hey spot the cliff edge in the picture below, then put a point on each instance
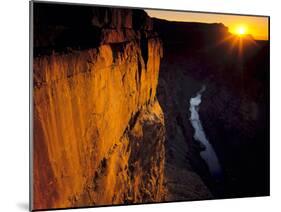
(98, 128)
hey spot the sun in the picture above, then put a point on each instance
(241, 30)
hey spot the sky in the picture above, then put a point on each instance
(256, 26)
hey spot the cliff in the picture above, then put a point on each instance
(98, 127)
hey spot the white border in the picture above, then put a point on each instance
(14, 107)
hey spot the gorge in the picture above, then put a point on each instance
(111, 91)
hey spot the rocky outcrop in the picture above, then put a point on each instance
(98, 127)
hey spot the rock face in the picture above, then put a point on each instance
(98, 127)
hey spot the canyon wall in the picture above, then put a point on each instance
(98, 127)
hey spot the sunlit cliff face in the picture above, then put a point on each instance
(98, 127)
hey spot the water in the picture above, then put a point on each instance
(208, 154)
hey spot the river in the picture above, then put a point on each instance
(208, 154)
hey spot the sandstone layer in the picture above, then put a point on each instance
(98, 128)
